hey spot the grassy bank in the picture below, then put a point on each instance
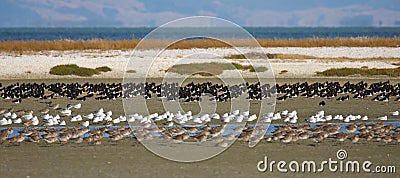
(73, 69)
(392, 72)
(61, 45)
(300, 56)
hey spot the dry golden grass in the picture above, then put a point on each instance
(61, 45)
(308, 42)
(333, 42)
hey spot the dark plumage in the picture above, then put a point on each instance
(192, 92)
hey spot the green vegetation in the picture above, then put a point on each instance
(249, 67)
(103, 69)
(131, 71)
(73, 69)
(205, 74)
(258, 69)
(391, 72)
(283, 71)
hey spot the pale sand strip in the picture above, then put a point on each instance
(38, 65)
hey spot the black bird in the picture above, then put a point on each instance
(322, 103)
(379, 91)
(17, 101)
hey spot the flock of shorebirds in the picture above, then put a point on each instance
(192, 92)
(362, 132)
(65, 126)
(355, 133)
(66, 117)
(170, 127)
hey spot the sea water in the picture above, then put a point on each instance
(7, 34)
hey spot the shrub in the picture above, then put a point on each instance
(283, 71)
(73, 69)
(237, 65)
(86, 72)
(131, 71)
(206, 74)
(103, 69)
(258, 69)
(67, 69)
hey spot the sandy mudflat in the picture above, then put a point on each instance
(130, 159)
(37, 65)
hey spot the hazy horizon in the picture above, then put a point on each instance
(257, 13)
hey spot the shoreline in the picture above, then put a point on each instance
(37, 66)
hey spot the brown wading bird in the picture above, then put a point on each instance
(387, 139)
(178, 139)
(5, 133)
(50, 139)
(88, 139)
(35, 138)
(341, 137)
(351, 128)
(55, 107)
(116, 137)
(287, 139)
(318, 138)
(64, 137)
(97, 142)
(355, 139)
(222, 144)
(78, 140)
(245, 136)
(200, 138)
(304, 136)
(3, 110)
(192, 130)
(17, 139)
(44, 111)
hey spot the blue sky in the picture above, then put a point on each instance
(139, 13)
